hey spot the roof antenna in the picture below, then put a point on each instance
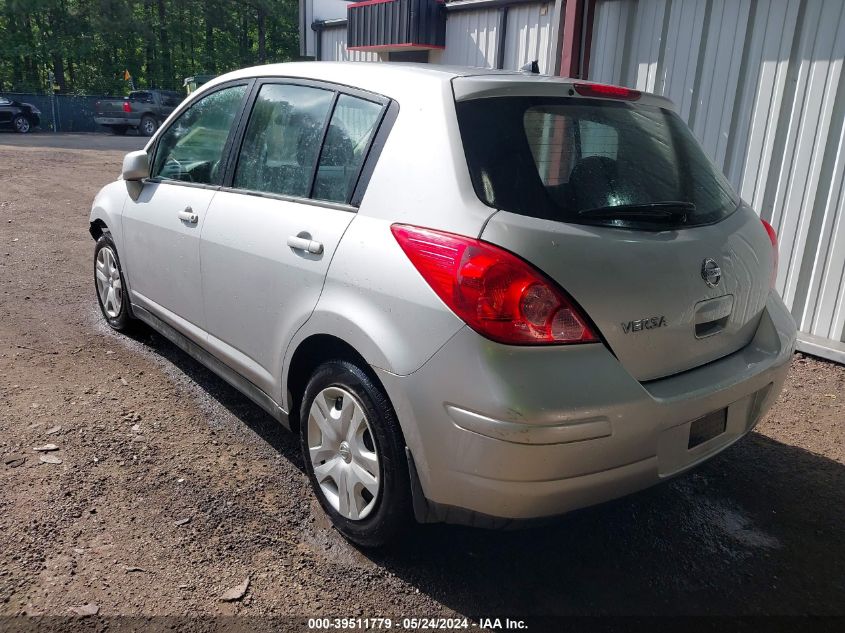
(531, 67)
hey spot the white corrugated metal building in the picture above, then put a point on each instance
(759, 82)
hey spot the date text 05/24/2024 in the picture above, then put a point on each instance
(416, 624)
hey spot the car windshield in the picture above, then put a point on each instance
(591, 162)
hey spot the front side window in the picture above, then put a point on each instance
(282, 139)
(352, 126)
(191, 149)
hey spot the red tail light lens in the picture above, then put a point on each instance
(497, 294)
(607, 91)
(127, 107)
(774, 239)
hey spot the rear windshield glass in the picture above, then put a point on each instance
(141, 95)
(591, 162)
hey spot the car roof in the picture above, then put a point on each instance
(401, 80)
(362, 70)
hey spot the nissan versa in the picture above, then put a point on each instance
(480, 297)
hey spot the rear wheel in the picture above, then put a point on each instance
(148, 126)
(22, 124)
(354, 454)
(110, 284)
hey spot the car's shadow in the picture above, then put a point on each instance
(757, 530)
(241, 407)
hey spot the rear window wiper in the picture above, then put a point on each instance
(668, 210)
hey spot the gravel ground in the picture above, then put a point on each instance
(172, 488)
(86, 141)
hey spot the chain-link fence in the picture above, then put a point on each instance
(64, 113)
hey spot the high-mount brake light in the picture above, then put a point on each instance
(607, 91)
(774, 239)
(496, 293)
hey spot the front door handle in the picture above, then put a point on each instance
(304, 244)
(189, 216)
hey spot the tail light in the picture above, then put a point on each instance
(774, 239)
(497, 294)
(127, 107)
(607, 91)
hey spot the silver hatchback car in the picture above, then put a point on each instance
(480, 297)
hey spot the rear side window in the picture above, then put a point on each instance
(282, 139)
(592, 162)
(352, 126)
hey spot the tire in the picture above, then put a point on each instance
(118, 130)
(382, 516)
(110, 285)
(148, 126)
(21, 124)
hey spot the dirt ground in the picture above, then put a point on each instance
(173, 488)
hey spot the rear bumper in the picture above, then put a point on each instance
(106, 120)
(500, 433)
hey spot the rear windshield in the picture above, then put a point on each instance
(141, 95)
(591, 162)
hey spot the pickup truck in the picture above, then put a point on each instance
(142, 110)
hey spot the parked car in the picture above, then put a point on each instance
(195, 81)
(142, 110)
(480, 297)
(20, 117)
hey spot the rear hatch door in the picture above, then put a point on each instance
(615, 200)
(645, 291)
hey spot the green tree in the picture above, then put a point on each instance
(86, 45)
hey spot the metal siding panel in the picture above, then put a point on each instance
(717, 90)
(826, 299)
(334, 47)
(684, 37)
(471, 38)
(528, 36)
(772, 35)
(643, 58)
(609, 29)
(806, 262)
(808, 125)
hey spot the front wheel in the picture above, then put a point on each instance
(110, 284)
(22, 124)
(354, 454)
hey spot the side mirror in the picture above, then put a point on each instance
(136, 166)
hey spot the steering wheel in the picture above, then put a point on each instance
(182, 171)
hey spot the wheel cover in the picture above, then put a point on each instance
(343, 453)
(149, 126)
(109, 286)
(22, 124)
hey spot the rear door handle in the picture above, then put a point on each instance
(189, 216)
(303, 244)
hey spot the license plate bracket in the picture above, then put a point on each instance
(707, 427)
